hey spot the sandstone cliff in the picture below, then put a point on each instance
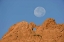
(48, 31)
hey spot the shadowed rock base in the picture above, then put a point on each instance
(49, 31)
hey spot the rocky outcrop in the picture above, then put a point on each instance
(49, 31)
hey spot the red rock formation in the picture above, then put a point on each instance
(49, 31)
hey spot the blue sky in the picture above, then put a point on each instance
(13, 11)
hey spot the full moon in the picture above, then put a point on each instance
(39, 11)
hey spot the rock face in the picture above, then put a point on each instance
(49, 31)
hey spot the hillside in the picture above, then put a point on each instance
(48, 31)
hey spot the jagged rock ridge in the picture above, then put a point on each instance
(49, 31)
